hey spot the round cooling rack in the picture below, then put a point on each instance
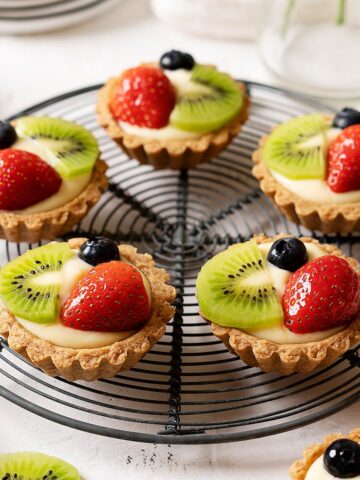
(189, 388)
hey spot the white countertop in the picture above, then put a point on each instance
(34, 68)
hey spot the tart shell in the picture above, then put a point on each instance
(290, 358)
(327, 218)
(173, 154)
(31, 228)
(93, 363)
(300, 468)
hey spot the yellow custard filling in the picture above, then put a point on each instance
(62, 336)
(316, 190)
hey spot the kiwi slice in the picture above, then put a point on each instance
(297, 149)
(35, 466)
(68, 147)
(207, 109)
(30, 284)
(235, 289)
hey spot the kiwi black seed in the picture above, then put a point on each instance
(296, 149)
(235, 289)
(70, 148)
(29, 285)
(35, 466)
(213, 101)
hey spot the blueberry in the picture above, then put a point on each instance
(174, 59)
(98, 250)
(288, 254)
(8, 135)
(346, 117)
(342, 459)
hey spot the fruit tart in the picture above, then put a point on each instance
(50, 176)
(282, 304)
(84, 309)
(337, 457)
(172, 114)
(310, 168)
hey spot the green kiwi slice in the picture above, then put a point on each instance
(235, 289)
(68, 147)
(297, 149)
(35, 466)
(209, 108)
(30, 284)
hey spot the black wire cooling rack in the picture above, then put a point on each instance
(189, 388)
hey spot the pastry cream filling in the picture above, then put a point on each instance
(181, 80)
(317, 190)
(69, 189)
(57, 333)
(62, 336)
(317, 471)
(279, 333)
(165, 133)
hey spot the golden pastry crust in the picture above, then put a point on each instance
(174, 154)
(300, 468)
(92, 363)
(54, 223)
(290, 358)
(327, 218)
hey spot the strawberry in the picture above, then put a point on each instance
(322, 294)
(25, 179)
(143, 97)
(111, 297)
(344, 161)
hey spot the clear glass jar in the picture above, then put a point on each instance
(313, 44)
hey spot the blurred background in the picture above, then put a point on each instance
(49, 47)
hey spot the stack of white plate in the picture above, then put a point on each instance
(35, 16)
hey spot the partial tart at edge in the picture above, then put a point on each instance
(300, 468)
(290, 358)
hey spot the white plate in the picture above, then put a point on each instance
(64, 8)
(56, 22)
(30, 3)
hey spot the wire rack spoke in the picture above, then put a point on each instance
(143, 210)
(188, 388)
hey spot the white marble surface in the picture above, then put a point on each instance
(34, 68)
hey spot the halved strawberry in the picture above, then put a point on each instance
(111, 297)
(322, 294)
(144, 97)
(25, 179)
(344, 161)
